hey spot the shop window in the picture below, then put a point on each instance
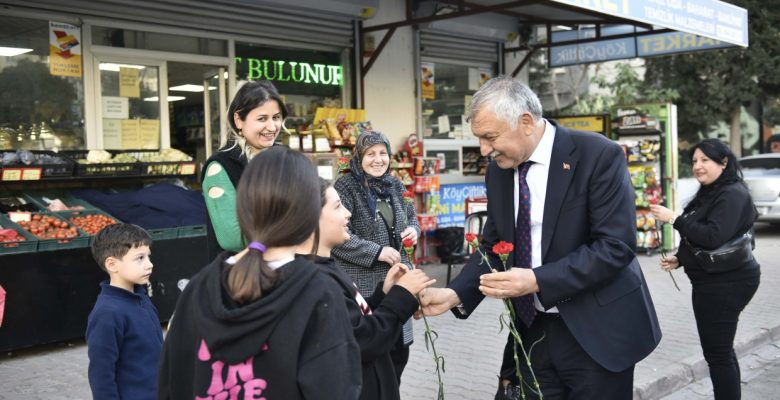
(446, 93)
(130, 106)
(40, 107)
(306, 79)
(131, 39)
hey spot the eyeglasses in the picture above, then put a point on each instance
(659, 239)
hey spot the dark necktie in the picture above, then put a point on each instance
(524, 305)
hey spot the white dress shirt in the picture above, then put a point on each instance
(537, 185)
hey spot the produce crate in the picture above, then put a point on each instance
(163, 233)
(45, 160)
(6, 199)
(28, 245)
(192, 231)
(75, 218)
(81, 240)
(102, 169)
(148, 167)
(68, 199)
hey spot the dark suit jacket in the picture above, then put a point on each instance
(589, 269)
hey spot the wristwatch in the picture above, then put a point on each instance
(671, 220)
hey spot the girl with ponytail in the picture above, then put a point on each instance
(263, 323)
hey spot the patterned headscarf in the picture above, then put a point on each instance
(372, 187)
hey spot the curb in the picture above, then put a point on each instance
(694, 368)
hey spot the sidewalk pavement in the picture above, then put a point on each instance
(472, 348)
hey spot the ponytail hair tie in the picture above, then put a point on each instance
(257, 246)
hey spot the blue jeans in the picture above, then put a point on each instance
(716, 306)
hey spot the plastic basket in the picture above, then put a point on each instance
(163, 233)
(162, 167)
(102, 169)
(74, 218)
(81, 240)
(68, 199)
(29, 245)
(8, 198)
(65, 168)
(192, 231)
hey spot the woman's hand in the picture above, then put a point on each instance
(661, 212)
(415, 281)
(409, 232)
(395, 273)
(389, 255)
(669, 263)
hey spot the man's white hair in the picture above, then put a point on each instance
(508, 99)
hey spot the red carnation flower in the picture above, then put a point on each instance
(471, 239)
(408, 243)
(503, 249)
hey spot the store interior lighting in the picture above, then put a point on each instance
(13, 51)
(190, 88)
(115, 67)
(170, 98)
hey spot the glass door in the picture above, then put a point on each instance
(215, 108)
(130, 105)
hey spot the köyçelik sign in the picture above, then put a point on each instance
(615, 49)
(292, 71)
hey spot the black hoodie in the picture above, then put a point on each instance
(376, 323)
(282, 346)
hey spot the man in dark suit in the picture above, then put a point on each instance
(564, 199)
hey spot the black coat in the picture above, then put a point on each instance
(727, 213)
(376, 322)
(589, 269)
(295, 342)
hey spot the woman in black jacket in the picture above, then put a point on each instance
(721, 211)
(376, 321)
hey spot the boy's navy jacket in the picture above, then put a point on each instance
(124, 340)
(376, 323)
(295, 342)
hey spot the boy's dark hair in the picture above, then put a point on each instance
(116, 240)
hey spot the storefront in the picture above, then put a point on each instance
(134, 80)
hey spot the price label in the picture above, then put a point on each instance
(18, 216)
(187, 169)
(12, 174)
(32, 174)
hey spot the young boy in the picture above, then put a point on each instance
(124, 338)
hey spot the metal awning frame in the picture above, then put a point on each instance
(466, 8)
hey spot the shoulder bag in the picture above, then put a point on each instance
(729, 256)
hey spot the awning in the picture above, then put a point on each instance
(652, 27)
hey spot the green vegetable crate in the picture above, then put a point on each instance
(28, 245)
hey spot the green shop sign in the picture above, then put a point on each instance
(291, 71)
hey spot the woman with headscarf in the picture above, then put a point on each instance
(381, 220)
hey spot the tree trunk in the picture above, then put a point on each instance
(735, 137)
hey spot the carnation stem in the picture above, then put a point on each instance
(510, 309)
(430, 337)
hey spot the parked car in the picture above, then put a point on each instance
(762, 175)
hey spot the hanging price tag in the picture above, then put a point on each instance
(32, 174)
(12, 174)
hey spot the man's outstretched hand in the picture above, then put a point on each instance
(436, 301)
